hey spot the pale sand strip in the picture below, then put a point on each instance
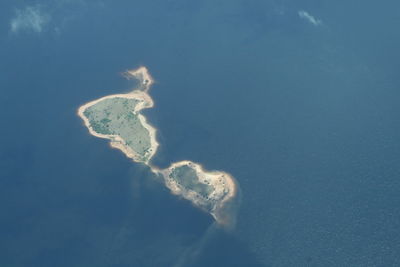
(146, 101)
(143, 75)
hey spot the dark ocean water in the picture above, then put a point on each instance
(306, 118)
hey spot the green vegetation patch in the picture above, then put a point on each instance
(187, 177)
(115, 116)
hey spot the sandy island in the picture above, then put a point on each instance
(224, 186)
(225, 189)
(145, 102)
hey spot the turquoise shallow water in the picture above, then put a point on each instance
(304, 116)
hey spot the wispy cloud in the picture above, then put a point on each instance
(30, 18)
(305, 15)
(50, 17)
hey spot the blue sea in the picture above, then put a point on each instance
(299, 100)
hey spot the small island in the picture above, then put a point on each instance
(210, 191)
(118, 119)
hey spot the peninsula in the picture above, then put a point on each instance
(118, 119)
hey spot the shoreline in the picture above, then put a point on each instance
(224, 184)
(142, 74)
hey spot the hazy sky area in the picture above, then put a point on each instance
(297, 99)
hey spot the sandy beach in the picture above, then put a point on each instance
(143, 75)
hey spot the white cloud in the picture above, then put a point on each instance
(51, 17)
(305, 15)
(31, 18)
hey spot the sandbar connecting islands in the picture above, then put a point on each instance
(118, 119)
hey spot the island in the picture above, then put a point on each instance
(117, 118)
